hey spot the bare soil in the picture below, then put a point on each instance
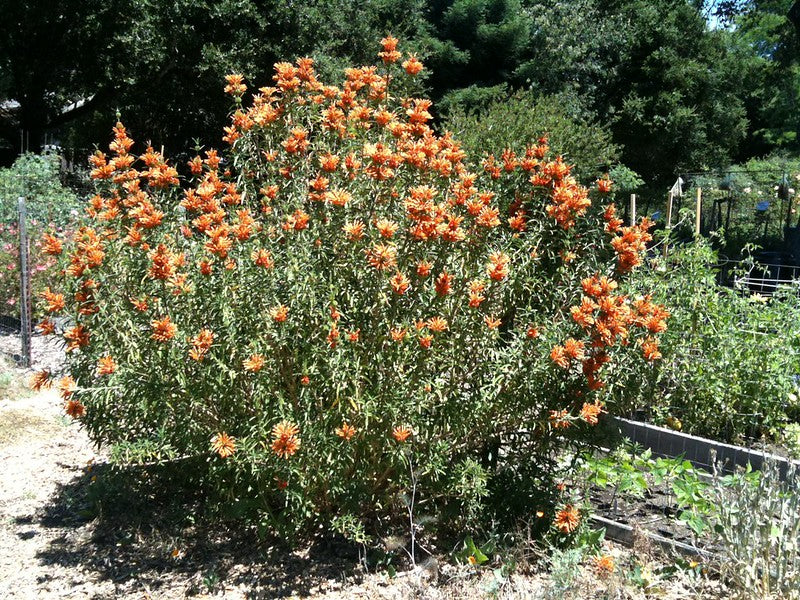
(72, 527)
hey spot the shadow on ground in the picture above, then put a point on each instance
(139, 530)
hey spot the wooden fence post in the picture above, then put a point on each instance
(697, 214)
(633, 210)
(25, 285)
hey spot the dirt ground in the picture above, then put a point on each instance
(69, 529)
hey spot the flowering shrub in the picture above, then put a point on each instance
(43, 267)
(50, 206)
(342, 307)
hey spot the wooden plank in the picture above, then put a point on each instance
(697, 212)
(668, 443)
(625, 534)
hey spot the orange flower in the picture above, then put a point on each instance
(386, 227)
(346, 431)
(604, 184)
(437, 324)
(139, 304)
(40, 380)
(254, 363)
(279, 313)
(305, 380)
(650, 349)
(74, 408)
(558, 356)
(573, 349)
(67, 386)
(398, 334)
(498, 266)
(425, 340)
(443, 282)
(401, 433)
(329, 162)
(354, 231)
(382, 256)
(235, 86)
(106, 365)
(590, 412)
(560, 419)
(201, 343)
(353, 336)
(424, 268)
(412, 66)
(51, 245)
(475, 299)
(263, 258)
(223, 444)
(488, 217)
(567, 519)
(604, 565)
(47, 327)
(338, 197)
(163, 329)
(335, 314)
(55, 302)
(285, 439)
(491, 321)
(389, 53)
(532, 332)
(333, 336)
(77, 337)
(400, 283)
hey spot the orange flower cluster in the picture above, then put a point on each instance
(401, 433)
(254, 363)
(604, 565)
(286, 440)
(346, 431)
(223, 444)
(106, 365)
(608, 318)
(40, 380)
(163, 329)
(201, 344)
(568, 519)
(629, 243)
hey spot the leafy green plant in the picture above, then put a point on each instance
(756, 526)
(518, 118)
(730, 359)
(37, 177)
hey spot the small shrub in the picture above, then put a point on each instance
(501, 119)
(756, 525)
(342, 314)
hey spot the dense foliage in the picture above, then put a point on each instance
(682, 85)
(345, 310)
(730, 359)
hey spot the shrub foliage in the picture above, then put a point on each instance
(342, 307)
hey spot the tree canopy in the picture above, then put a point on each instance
(680, 84)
